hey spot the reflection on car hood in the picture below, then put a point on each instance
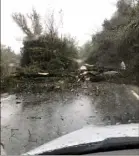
(88, 134)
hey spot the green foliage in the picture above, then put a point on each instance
(36, 27)
(86, 50)
(48, 53)
(119, 39)
(8, 57)
(45, 50)
(32, 69)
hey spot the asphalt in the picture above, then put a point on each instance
(29, 120)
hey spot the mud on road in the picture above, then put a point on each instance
(29, 120)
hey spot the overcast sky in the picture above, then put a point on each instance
(81, 18)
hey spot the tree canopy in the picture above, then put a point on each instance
(45, 49)
(119, 39)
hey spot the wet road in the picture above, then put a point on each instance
(30, 120)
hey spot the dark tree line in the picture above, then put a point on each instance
(119, 39)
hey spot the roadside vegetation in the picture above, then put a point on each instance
(118, 41)
(44, 49)
(9, 62)
(54, 55)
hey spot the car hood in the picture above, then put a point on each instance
(89, 134)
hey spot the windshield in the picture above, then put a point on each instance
(66, 64)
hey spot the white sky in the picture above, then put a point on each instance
(81, 18)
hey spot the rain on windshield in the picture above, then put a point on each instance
(66, 65)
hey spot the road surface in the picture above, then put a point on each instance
(29, 120)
